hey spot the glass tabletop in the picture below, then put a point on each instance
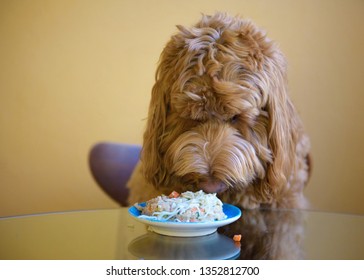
(114, 234)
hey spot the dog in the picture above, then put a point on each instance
(221, 120)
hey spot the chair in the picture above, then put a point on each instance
(111, 165)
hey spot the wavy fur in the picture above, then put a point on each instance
(220, 119)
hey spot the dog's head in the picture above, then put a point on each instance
(220, 117)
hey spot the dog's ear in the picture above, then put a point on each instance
(153, 166)
(283, 128)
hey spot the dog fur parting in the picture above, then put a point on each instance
(220, 119)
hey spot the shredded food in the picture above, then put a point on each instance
(186, 207)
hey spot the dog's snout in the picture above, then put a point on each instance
(212, 186)
(213, 157)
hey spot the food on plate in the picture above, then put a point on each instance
(185, 207)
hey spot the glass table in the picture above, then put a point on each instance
(114, 234)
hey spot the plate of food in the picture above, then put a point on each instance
(186, 214)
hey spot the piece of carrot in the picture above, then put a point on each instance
(194, 210)
(237, 237)
(174, 194)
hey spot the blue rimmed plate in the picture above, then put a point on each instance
(187, 229)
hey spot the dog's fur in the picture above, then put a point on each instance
(220, 119)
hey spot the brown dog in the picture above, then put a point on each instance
(220, 120)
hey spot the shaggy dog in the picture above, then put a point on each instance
(220, 120)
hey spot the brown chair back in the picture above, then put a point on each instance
(111, 166)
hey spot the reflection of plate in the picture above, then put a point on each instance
(188, 229)
(213, 246)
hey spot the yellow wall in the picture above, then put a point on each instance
(73, 73)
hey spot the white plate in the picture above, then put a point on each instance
(188, 229)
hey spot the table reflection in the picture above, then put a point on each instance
(154, 246)
(268, 234)
(114, 234)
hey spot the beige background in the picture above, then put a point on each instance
(73, 73)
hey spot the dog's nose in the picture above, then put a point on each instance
(212, 186)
